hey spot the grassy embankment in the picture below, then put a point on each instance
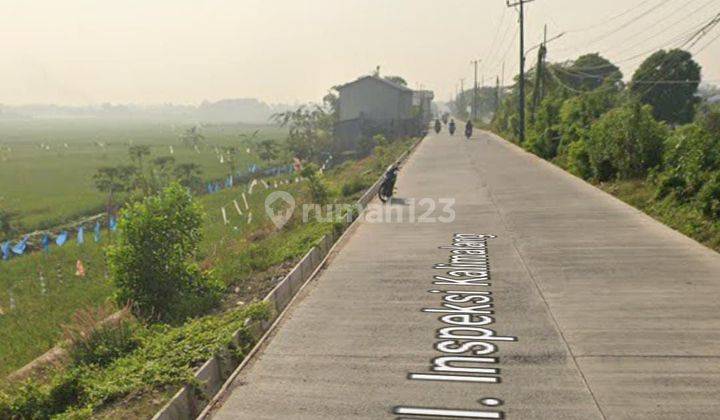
(246, 257)
(684, 218)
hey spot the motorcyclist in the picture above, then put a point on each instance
(468, 129)
(438, 126)
(451, 127)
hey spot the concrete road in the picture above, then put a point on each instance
(615, 315)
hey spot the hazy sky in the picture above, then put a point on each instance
(153, 51)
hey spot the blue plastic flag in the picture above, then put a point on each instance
(112, 224)
(97, 232)
(5, 247)
(62, 238)
(19, 247)
(81, 235)
(45, 242)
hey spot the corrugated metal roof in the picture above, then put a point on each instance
(379, 79)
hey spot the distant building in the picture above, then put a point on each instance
(376, 99)
(372, 105)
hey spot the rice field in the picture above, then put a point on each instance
(47, 166)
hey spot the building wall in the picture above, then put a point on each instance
(375, 101)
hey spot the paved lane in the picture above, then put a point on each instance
(615, 315)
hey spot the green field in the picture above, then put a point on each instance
(46, 292)
(47, 187)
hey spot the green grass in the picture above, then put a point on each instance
(33, 326)
(237, 252)
(244, 255)
(48, 187)
(683, 217)
(166, 356)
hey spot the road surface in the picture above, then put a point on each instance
(591, 309)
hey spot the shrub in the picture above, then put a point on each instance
(354, 185)
(625, 143)
(543, 137)
(318, 190)
(99, 337)
(153, 260)
(691, 153)
(578, 160)
(709, 197)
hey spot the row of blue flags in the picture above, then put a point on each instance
(7, 249)
(213, 187)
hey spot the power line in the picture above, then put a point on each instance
(622, 26)
(708, 44)
(606, 21)
(656, 23)
(493, 58)
(673, 41)
(495, 38)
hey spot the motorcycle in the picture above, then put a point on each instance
(438, 126)
(468, 132)
(451, 128)
(387, 187)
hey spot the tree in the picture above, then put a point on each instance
(625, 143)
(332, 103)
(192, 137)
(318, 190)
(230, 154)
(188, 175)
(589, 72)
(113, 180)
(162, 168)
(137, 157)
(267, 150)
(668, 81)
(310, 131)
(153, 262)
(397, 80)
(138, 154)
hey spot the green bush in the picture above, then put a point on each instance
(104, 344)
(318, 190)
(625, 143)
(167, 356)
(353, 186)
(153, 260)
(691, 154)
(579, 160)
(709, 197)
(543, 136)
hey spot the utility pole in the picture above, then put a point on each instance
(539, 89)
(521, 105)
(475, 91)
